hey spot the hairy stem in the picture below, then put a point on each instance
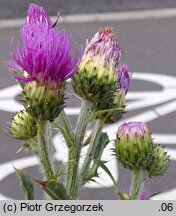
(50, 148)
(72, 181)
(45, 157)
(136, 185)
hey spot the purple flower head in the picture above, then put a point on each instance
(134, 145)
(44, 55)
(105, 44)
(37, 14)
(101, 56)
(124, 78)
(133, 130)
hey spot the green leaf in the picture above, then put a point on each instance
(66, 124)
(87, 141)
(67, 137)
(94, 115)
(26, 184)
(104, 167)
(54, 189)
(103, 141)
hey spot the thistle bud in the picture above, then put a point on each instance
(124, 78)
(159, 163)
(134, 146)
(97, 75)
(23, 126)
(44, 102)
(117, 102)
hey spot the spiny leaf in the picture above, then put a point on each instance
(26, 184)
(54, 189)
(103, 141)
(68, 139)
(104, 167)
(94, 115)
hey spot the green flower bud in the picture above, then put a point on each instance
(97, 74)
(116, 102)
(44, 102)
(134, 146)
(159, 163)
(23, 126)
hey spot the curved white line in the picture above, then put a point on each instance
(61, 150)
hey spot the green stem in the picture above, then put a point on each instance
(137, 182)
(44, 153)
(74, 151)
(66, 122)
(32, 142)
(49, 144)
(91, 151)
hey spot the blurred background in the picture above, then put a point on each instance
(147, 32)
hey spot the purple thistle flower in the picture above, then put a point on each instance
(105, 44)
(43, 61)
(134, 145)
(37, 14)
(124, 78)
(44, 56)
(101, 56)
(133, 130)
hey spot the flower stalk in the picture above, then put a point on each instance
(45, 157)
(137, 182)
(72, 181)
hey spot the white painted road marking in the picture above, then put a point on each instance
(101, 17)
(164, 99)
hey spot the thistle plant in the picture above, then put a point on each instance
(42, 65)
(136, 151)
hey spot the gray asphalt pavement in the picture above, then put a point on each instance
(149, 46)
(17, 8)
